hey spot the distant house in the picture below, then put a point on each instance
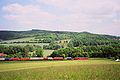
(2, 55)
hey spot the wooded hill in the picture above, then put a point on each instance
(66, 44)
(75, 38)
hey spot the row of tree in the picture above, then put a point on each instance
(91, 41)
(89, 51)
(21, 51)
(53, 46)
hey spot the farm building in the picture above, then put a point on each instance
(2, 55)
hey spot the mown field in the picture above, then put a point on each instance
(94, 69)
(30, 39)
(21, 39)
(24, 44)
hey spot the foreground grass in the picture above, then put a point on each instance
(60, 70)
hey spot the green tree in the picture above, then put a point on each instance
(39, 52)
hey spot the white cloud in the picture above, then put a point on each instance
(27, 15)
(84, 15)
(91, 15)
(83, 5)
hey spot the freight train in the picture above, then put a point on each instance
(43, 58)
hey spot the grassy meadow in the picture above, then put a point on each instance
(93, 69)
(24, 44)
(47, 52)
(21, 39)
(30, 39)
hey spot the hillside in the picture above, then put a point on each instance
(59, 43)
(57, 39)
(9, 35)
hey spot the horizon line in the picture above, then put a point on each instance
(60, 31)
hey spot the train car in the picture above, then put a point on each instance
(36, 58)
(14, 59)
(7, 59)
(41, 58)
(24, 59)
(68, 58)
(45, 58)
(81, 58)
(50, 58)
(58, 58)
(2, 59)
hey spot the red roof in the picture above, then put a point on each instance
(2, 54)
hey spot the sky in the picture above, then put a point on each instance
(96, 16)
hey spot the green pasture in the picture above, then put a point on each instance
(24, 44)
(21, 39)
(47, 52)
(93, 69)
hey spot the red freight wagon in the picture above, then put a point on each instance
(24, 59)
(58, 58)
(80, 58)
(14, 59)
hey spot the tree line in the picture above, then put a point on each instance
(22, 51)
(89, 51)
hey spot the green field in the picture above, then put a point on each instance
(30, 39)
(47, 52)
(94, 69)
(21, 39)
(24, 44)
